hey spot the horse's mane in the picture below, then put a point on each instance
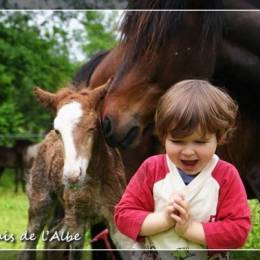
(86, 71)
(147, 32)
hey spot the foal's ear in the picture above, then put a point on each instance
(99, 93)
(47, 99)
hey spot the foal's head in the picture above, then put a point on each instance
(76, 122)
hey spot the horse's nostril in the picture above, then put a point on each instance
(107, 125)
(130, 137)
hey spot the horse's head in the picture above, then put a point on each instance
(75, 123)
(128, 111)
(157, 49)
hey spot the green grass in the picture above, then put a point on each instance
(14, 206)
(253, 240)
(13, 214)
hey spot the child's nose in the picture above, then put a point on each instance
(188, 151)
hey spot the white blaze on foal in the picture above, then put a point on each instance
(77, 123)
(66, 122)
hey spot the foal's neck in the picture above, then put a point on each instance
(105, 161)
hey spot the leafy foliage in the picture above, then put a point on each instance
(27, 59)
(37, 52)
(252, 242)
(11, 119)
(101, 31)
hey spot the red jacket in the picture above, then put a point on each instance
(227, 229)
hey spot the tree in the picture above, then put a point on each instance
(101, 31)
(35, 50)
(27, 59)
(63, 4)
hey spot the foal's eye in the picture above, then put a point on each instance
(91, 130)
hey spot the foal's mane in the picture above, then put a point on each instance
(69, 91)
(146, 32)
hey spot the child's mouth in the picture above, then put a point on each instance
(189, 163)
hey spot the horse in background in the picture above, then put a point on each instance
(20, 158)
(10, 159)
(75, 166)
(158, 49)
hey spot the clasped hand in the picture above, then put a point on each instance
(178, 210)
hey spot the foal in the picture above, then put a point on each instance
(75, 166)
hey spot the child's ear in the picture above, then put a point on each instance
(221, 142)
(221, 139)
(47, 99)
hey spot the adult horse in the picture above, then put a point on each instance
(158, 49)
(142, 68)
(19, 157)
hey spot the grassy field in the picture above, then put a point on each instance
(13, 208)
(13, 212)
(13, 221)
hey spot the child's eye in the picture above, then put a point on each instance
(200, 141)
(177, 141)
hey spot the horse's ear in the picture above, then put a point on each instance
(47, 99)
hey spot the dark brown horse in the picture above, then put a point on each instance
(158, 49)
(19, 157)
(142, 69)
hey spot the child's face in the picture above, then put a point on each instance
(191, 153)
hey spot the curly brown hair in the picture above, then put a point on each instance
(193, 104)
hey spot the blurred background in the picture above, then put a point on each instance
(44, 48)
